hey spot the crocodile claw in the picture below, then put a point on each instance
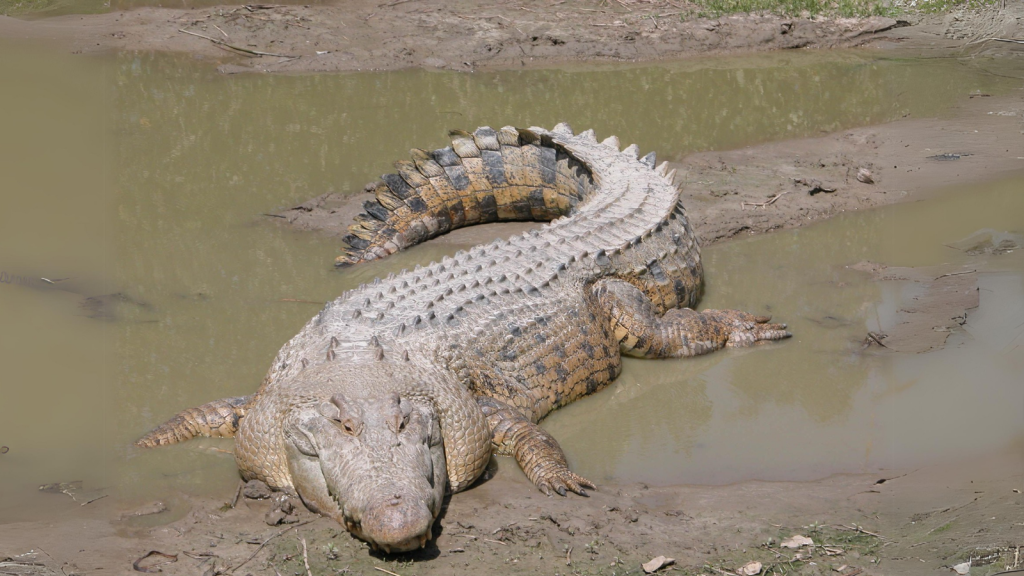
(562, 480)
(748, 328)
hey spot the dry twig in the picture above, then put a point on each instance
(305, 558)
(1013, 40)
(267, 541)
(245, 50)
(764, 204)
(238, 494)
(861, 530)
(94, 499)
(956, 274)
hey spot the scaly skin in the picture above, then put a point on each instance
(473, 351)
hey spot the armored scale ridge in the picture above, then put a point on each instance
(407, 385)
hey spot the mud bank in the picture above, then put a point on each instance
(469, 35)
(902, 522)
(792, 183)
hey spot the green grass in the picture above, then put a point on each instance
(806, 8)
(829, 8)
(937, 6)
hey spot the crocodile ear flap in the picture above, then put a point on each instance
(347, 415)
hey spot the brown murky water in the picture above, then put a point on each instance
(145, 177)
(821, 403)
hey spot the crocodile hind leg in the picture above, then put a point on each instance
(217, 419)
(680, 332)
(536, 451)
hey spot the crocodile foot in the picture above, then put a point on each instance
(747, 328)
(559, 478)
(543, 461)
(536, 451)
(679, 332)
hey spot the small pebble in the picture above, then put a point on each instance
(256, 490)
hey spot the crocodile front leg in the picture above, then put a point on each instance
(680, 332)
(536, 451)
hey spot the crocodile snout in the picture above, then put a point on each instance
(397, 524)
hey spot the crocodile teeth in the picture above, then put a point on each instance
(662, 169)
(632, 151)
(611, 141)
(649, 160)
(562, 128)
(588, 135)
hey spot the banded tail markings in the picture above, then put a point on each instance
(484, 176)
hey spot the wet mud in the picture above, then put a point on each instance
(470, 35)
(902, 522)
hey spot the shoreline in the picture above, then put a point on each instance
(470, 35)
(790, 183)
(867, 523)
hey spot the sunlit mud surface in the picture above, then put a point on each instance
(47, 8)
(144, 180)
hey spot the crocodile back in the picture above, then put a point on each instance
(614, 215)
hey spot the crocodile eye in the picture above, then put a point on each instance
(403, 423)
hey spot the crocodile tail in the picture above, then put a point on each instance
(485, 176)
(217, 419)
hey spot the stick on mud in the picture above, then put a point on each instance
(245, 50)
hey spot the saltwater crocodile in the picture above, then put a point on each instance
(408, 384)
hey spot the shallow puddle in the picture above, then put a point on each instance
(822, 403)
(144, 179)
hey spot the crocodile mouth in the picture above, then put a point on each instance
(405, 546)
(394, 537)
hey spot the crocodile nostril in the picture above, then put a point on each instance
(396, 500)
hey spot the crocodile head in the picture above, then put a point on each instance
(376, 465)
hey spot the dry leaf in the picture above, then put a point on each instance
(750, 569)
(656, 563)
(864, 175)
(796, 541)
(962, 569)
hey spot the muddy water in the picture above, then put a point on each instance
(821, 403)
(143, 179)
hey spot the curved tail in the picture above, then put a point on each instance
(217, 419)
(487, 176)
